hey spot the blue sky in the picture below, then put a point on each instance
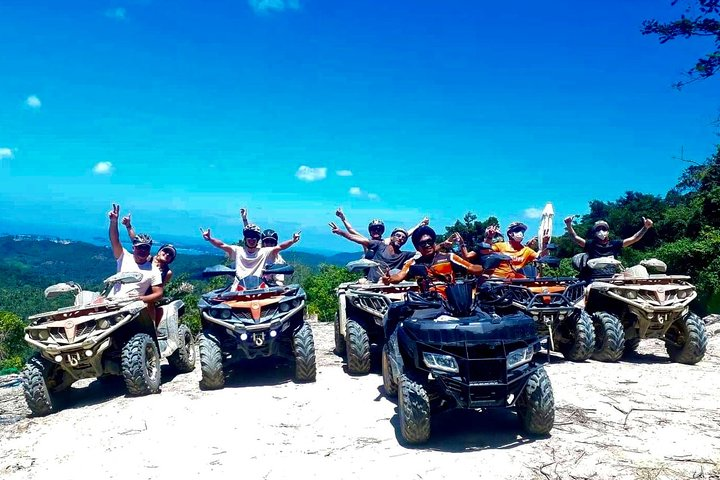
(185, 111)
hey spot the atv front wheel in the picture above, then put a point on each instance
(358, 348)
(609, 337)
(536, 404)
(211, 363)
(339, 340)
(34, 382)
(304, 351)
(183, 359)
(581, 344)
(391, 388)
(689, 340)
(414, 407)
(141, 365)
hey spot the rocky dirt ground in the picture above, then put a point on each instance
(643, 418)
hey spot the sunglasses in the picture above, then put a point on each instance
(601, 229)
(142, 248)
(426, 243)
(399, 235)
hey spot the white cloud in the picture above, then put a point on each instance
(355, 191)
(6, 153)
(103, 168)
(33, 102)
(116, 13)
(373, 196)
(344, 173)
(358, 192)
(265, 6)
(533, 212)
(310, 174)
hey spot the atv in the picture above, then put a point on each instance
(100, 337)
(634, 304)
(551, 302)
(361, 308)
(255, 319)
(445, 352)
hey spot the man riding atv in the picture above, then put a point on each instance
(376, 228)
(520, 255)
(249, 259)
(601, 245)
(387, 255)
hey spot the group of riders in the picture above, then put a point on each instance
(261, 247)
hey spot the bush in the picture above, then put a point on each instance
(320, 289)
(13, 349)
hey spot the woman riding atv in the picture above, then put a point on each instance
(441, 266)
(601, 245)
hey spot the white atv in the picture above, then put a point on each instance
(100, 337)
(634, 304)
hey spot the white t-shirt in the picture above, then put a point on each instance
(276, 260)
(151, 277)
(249, 264)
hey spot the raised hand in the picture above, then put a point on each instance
(340, 214)
(532, 242)
(647, 222)
(334, 228)
(296, 237)
(205, 234)
(126, 220)
(425, 221)
(569, 220)
(243, 213)
(114, 213)
(546, 236)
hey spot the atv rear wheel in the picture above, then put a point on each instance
(609, 337)
(34, 382)
(414, 407)
(689, 338)
(141, 365)
(582, 338)
(183, 359)
(391, 388)
(304, 351)
(339, 340)
(536, 404)
(211, 362)
(358, 348)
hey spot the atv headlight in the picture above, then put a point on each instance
(631, 294)
(444, 363)
(284, 307)
(225, 313)
(520, 356)
(682, 294)
(43, 334)
(104, 323)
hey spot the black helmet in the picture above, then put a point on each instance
(516, 227)
(142, 239)
(269, 233)
(251, 230)
(377, 224)
(421, 232)
(169, 247)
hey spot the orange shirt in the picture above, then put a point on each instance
(520, 258)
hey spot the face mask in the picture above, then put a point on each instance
(602, 234)
(517, 236)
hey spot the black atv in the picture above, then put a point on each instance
(255, 319)
(444, 352)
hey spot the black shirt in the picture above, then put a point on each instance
(596, 249)
(382, 254)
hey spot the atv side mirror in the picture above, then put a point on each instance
(217, 271)
(603, 263)
(61, 288)
(579, 261)
(418, 271)
(124, 277)
(655, 265)
(361, 264)
(549, 261)
(278, 269)
(493, 260)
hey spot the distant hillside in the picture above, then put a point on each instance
(40, 261)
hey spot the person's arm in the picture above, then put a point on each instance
(398, 277)
(423, 222)
(128, 224)
(168, 277)
(474, 269)
(448, 243)
(345, 222)
(490, 232)
(217, 243)
(571, 231)
(647, 225)
(365, 242)
(243, 215)
(287, 243)
(156, 294)
(113, 231)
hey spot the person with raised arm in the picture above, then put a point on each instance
(164, 257)
(268, 238)
(376, 227)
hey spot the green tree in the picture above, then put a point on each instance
(320, 288)
(13, 349)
